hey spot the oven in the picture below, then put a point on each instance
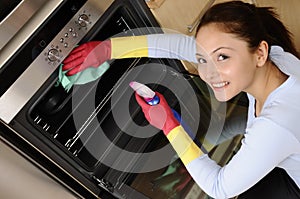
(93, 139)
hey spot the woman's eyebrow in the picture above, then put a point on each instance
(198, 54)
(222, 47)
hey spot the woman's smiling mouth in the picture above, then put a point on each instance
(219, 84)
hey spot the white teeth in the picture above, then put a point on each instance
(219, 85)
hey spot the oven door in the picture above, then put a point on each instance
(94, 139)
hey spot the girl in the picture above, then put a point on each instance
(238, 48)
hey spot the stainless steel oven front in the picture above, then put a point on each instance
(19, 19)
(91, 138)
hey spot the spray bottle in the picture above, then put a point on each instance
(145, 92)
(152, 99)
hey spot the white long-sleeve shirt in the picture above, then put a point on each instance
(271, 140)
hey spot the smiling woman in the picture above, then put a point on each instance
(239, 48)
(234, 41)
(220, 64)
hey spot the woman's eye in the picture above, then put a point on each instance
(222, 57)
(201, 61)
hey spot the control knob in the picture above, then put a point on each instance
(53, 55)
(83, 20)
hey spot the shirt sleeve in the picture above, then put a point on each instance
(173, 46)
(177, 46)
(264, 146)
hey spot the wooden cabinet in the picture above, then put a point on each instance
(181, 15)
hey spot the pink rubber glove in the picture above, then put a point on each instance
(90, 54)
(160, 115)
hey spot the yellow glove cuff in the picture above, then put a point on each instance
(184, 146)
(129, 47)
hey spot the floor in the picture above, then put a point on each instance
(21, 179)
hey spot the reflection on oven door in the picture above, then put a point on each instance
(103, 129)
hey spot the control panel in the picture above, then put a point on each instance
(71, 34)
(12, 101)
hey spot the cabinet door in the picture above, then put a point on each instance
(246, 1)
(181, 15)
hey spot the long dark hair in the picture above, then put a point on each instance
(250, 23)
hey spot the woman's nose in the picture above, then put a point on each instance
(211, 72)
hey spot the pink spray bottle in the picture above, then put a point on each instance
(152, 99)
(145, 92)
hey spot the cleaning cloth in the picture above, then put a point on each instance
(83, 77)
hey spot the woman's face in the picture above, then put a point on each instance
(224, 62)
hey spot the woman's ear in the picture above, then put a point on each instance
(262, 53)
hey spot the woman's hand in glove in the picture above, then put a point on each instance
(160, 115)
(90, 54)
